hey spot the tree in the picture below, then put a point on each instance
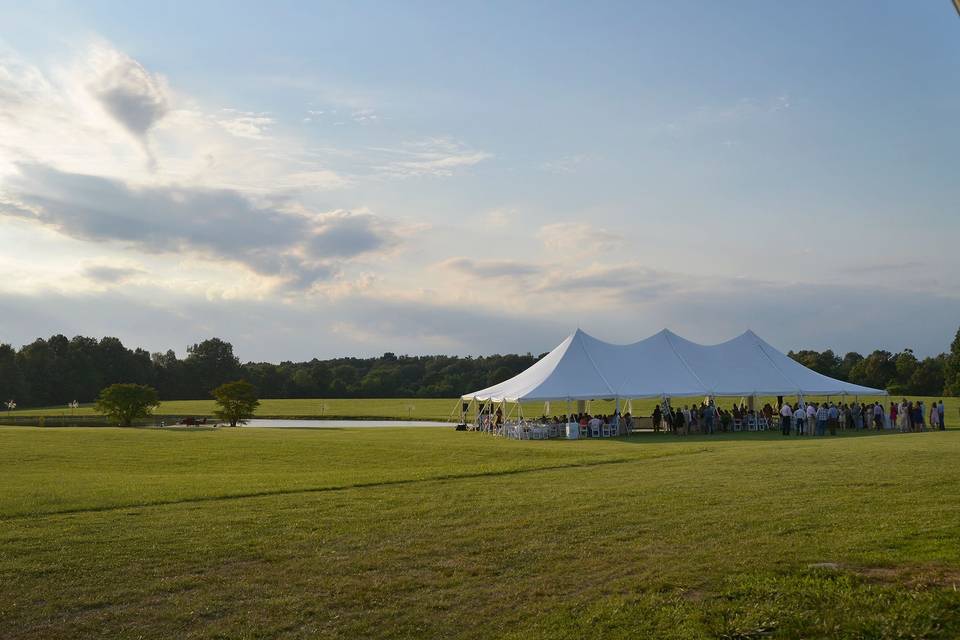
(927, 378)
(826, 363)
(849, 361)
(209, 364)
(237, 401)
(905, 364)
(125, 402)
(11, 381)
(952, 368)
(877, 370)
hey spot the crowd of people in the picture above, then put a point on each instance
(589, 425)
(814, 418)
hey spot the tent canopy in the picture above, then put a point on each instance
(584, 368)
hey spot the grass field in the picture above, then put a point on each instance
(392, 408)
(423, 533)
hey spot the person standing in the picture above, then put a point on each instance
(709, 417)
(922, 414)
(833, 416)
(822, 416)
(786, 415)
(941, 416)
(811, 417)
(893, 415)
(798, 417)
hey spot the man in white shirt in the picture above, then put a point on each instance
(594, 425)
(786, 415)
(811, 418)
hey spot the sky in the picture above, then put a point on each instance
(329, 179)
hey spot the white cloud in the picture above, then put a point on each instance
(129, 93)
(246, 124)
(430, 157)
(578, 238)
(100, 114)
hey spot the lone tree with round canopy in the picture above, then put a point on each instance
(237, 401)
(125, 402)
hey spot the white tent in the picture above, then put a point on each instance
(664, 365)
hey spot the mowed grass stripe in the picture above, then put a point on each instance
(71, 470)
(357, 485)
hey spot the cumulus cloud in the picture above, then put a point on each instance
(133, 96)
(297, 247)
(345, 235)
(245, 124)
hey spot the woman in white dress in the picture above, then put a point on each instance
(902, 419)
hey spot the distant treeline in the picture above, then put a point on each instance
(59, 370)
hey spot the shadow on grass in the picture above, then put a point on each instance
(665, 437)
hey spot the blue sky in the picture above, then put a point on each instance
(348, 178)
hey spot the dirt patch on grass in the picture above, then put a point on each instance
(920, 576)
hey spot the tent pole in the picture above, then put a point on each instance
(663, 408)
(616, 410)
(504, 405)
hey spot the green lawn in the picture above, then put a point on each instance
(402, 408)
(424, 533)
(393, 408)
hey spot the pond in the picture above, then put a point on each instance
(343, 424)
